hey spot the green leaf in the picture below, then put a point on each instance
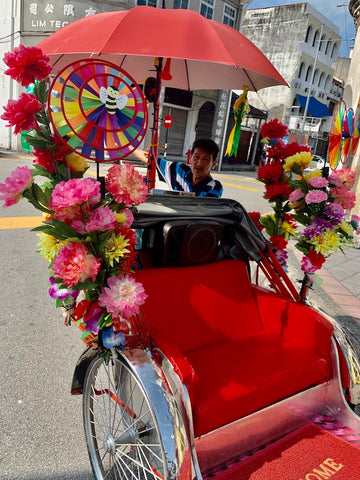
(86, 285)
(65, 229)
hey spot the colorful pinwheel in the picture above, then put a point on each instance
(98, 110)
(347, 134)
(356, 135)
(335, 137)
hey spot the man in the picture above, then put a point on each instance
(194, 177)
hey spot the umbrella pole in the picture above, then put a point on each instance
(151, 173)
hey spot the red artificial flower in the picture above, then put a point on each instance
(293, 148)
(273, 129)
(271, 172)
(255, 217)
(279, 242)
(312, 261)
(27, 64)
(49, 160)
(20, 113)
(277, 189)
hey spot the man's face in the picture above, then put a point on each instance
(201, 163)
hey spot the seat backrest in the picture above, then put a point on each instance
(200, 305)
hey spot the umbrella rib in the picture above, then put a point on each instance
(253, 86)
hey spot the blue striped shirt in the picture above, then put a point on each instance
(179, 177)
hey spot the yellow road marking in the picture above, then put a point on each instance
(238, 178)
(20, 222)
(240, 186)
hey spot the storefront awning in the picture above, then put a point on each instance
(315, 108)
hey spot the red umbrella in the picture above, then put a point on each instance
(204, 54)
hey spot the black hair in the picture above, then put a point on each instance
(208, 145)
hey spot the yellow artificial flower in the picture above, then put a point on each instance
(49, 246)
(303, 159)
(115, 248)
(120, 217)
(346, 228)
(75, 162)
(314, 173)
(288, 229)
(326, 243)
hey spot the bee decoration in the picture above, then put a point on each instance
(112, 99)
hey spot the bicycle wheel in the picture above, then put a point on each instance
(121, 430)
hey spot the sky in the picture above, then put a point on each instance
(339, 15)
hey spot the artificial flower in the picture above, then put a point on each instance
(27, 64)
(126, 184)
(125, 217)
(255, 217)
(344, 197)
(12, 189)
(334, 180)
(316, 196)
(45, 159)
(102, 219)
(296, 195)
(21, 113)
(318, 182)
(75, 162)
(312, 262)
(347, 176)
(278, 241)
(277, 189)
(273, 129)
(76, 191)
(326, 242)
(49, 246)
(312, 174)
(115, 248)
(74, 264)
(355, 222)
(301, 159)
(56, 291)
(92, 316)
(123, 296)
(271, 171)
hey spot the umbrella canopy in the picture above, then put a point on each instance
(205, 54)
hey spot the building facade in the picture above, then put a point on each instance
(303, 45)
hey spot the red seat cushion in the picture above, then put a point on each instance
(239, 377)
(200, 305)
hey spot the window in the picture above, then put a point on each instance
(301, 69)
(327, 83)
(316, 39)
(333, 50)
(308, 34)
(321, 79)
(316, 76)
(149, 3)
(207, 8)
(322, 44)
(181, 4)
(229, 15)
(327, 47)
(308, 74)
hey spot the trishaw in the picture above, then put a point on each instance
(219, 366)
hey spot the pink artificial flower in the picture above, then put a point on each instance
(21, 113)
(344, 197)
(129, 217)
(11, 191)
(103, 219)
(75, 192)
(296, 195)
(126, 184)
(318, 182)
(123, 296)
(74, 264)
(316, 196)
(27, 64)
(347, 176)
(334, 180)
